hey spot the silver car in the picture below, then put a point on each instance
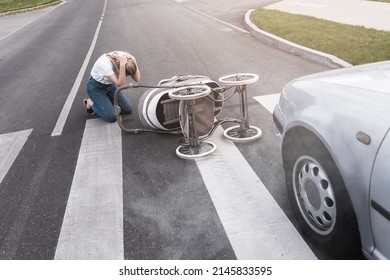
(333, 129)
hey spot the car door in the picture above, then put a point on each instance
(380, 201)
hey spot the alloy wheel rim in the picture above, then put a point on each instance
(314, 195)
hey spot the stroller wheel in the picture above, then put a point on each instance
(189, 152)
(239, 79)
(236, 134)
(189, 92)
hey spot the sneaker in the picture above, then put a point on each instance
(88, 106)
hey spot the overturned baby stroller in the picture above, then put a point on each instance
(189, 105)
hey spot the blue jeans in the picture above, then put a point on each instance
(103, 100)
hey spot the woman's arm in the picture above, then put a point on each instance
(137, 75)
(120, 80)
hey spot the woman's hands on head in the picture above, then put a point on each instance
(122, 60)
(120, 79)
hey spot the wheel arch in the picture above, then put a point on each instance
(305, 135)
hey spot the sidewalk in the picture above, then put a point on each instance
(355, 12)
(365, 13)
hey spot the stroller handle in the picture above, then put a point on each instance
(119, 117)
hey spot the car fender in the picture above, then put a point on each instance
(353, 158)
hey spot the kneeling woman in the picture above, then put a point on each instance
(108, 73)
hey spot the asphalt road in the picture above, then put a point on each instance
(150, 204)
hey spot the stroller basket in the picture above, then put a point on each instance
(158, 111)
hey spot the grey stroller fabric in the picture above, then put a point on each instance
(158, 111)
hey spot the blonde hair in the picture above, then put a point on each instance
(131, 65)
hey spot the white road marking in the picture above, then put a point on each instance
(10, 146)
(268, 101)
(93, 221)
(57, 131)
(254, 223)
(213, 18)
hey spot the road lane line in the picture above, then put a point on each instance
(180, 2)
(254, 223)
(57, 131)
(10, 146)
(93, 223)
(268, 101)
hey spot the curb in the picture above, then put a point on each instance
(313, 55)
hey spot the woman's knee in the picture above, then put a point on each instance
(109, 117)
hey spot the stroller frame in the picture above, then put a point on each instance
(194, 145)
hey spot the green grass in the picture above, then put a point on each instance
(15, 5)
(354, 44)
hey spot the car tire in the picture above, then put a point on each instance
(320, 201)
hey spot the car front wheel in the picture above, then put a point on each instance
(321, 202)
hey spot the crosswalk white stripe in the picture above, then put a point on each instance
(93, 224)
(10, 146)
(93, 221)
(254, 223)
(269, 101)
